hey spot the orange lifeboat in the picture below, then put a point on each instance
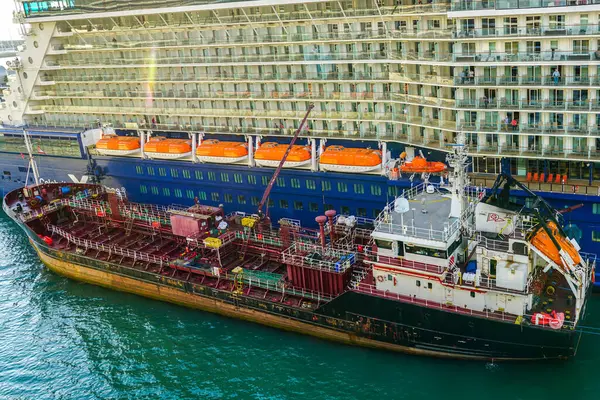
(215, 151)
(270, 154)
(161, 147)
(420, 165)
(541, 241)
(118, 145)
(341, 159)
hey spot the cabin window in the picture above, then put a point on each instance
(298, 206)
(295, 183)
(376, 190)
(186, 174)
(139, 170)
(362, 212)
(376, 212)
(473, 294)
(345, 210)
(429, 285)
(265, 180)
(224, 177)
(251, 179)
(270, 203)
(150, 171)
(178, 193)
(212, 176)
(342, 187)
(154, 190)
(199, 175)
(596, 208)
(418, 283)
(283, 204)
(359, 188)
(241, 199)
(162, 171)
(166, 192)
(174, 173)
(238, 178)
(520, 248)
(313, 207)
(214, 196)
(280, 182)
(228, 198)
(310, 184)
(383, 244)
(189, 193)
(596, 236)
(143, 189)
(493, 264)
(325, 186)
(392, 191)
(425, 251)
(390, 277)
(254, 200)
(201, 195)
(328, 207)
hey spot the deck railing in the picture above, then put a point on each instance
(333, 260)
(110, 249)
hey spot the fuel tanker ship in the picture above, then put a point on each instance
(446, 269)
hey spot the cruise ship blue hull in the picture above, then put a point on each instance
(298, 194)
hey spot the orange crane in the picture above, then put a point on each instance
(280, 166)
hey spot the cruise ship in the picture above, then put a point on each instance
(179, 100)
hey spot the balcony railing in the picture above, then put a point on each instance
(505, 104)
(471, 5)
(546, 80)
(97, 60)
(538, 30)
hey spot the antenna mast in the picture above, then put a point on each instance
(32, 163)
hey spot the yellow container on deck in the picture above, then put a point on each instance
(213, 243)
(248, 221)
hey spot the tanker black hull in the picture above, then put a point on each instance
(353, 317)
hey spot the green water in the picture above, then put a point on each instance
(68, 340)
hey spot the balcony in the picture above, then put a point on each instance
(524, 104)
(528, 31)
(528, 80)
(527, 57)
(475, 5)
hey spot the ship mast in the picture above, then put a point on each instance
(32, 163)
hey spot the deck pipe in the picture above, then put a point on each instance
(194, 146)
(313, 155)
(330, 214)
(321, 219)
(142, 143)
(383, 157)
(250, 152)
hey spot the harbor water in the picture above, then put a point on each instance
(61, 339)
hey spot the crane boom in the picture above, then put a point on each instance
(285, 156)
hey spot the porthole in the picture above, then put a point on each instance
(19, 89)
(35, 44)
(9, 118)
(41, 26)
(30, 60)
(14, 104)
(24, 75)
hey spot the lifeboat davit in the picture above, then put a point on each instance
(341, 159)
(541, 241)
(161, 147)
(270, 154)
(215, 151)
(420, 165)
(114, 145)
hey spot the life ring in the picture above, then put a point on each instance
(550, 290)
(380, 278)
